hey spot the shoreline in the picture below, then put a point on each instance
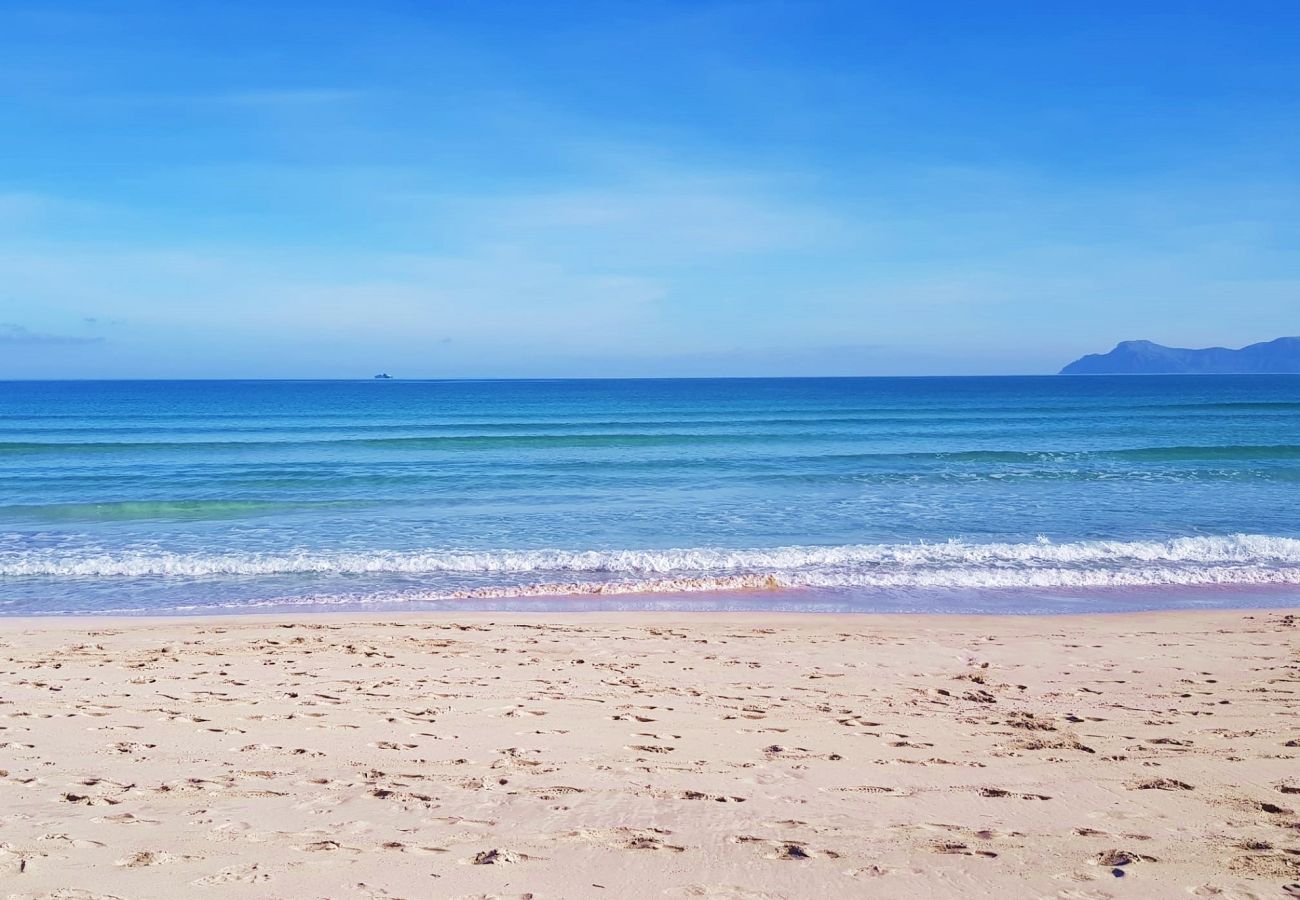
(1236, 570)
(782, 602)
(608, 616)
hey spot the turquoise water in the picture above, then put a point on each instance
(957, 494)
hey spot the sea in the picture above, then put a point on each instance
(951, 495)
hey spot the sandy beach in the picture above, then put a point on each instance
(634, 755)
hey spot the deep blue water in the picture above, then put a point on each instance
(1015, 494)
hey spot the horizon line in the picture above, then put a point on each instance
(415, 380)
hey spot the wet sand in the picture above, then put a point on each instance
(748, 755)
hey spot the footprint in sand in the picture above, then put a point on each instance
(75, 843)
(249, 874)
(141, 859)
(716, 798)
(720, 892)
(1116, 857)
(495, 857)
(125, 819)
(961, 850)
(650, 842)
(327, 846)
(1160, 784)
(1271, 808)
(864, 789)
(550, 793)
(792, 850)
(999, 792)
(87, 800)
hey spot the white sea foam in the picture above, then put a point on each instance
(749, 586)
(1202, 560)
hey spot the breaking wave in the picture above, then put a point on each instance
(1241, 559)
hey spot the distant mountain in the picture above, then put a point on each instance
(1145, 358)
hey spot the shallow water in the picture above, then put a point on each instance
(936, 494)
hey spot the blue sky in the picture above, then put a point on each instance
(547, 189)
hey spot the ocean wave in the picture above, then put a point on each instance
(407, 442)
(766, 590)
(1199, 560)
(128, 510)
(940, 579)
(665, 439)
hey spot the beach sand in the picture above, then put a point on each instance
(638, 755)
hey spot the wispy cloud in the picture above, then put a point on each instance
(11, 334)
(289, 97)
(766, 197)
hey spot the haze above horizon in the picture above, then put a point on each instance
(650, 189)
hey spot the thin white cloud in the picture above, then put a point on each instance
(14, 334)
(282, 97)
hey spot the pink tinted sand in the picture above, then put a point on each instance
(748, 755)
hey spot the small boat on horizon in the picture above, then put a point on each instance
(384, 376)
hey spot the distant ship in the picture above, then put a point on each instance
(384, 376)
